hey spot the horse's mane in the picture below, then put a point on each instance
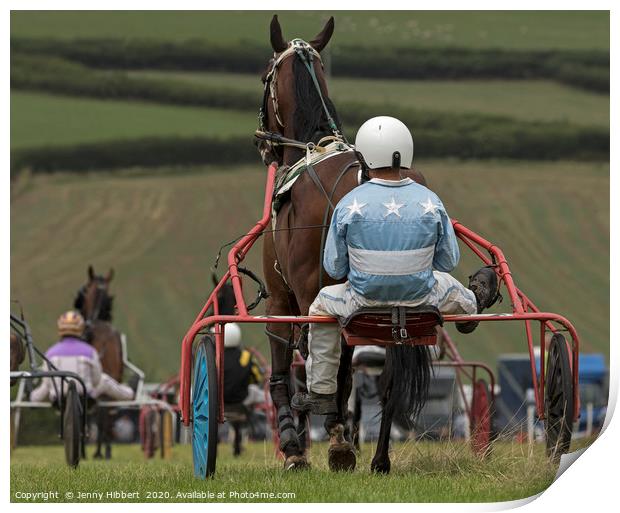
(310, 120)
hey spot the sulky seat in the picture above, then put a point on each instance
(392, 325)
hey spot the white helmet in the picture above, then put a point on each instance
(379, 138)
(232, 335)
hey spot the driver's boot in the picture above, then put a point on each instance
(318, 404)
(485, 286)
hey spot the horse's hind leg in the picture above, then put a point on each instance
(108, 423)
(341, 453)
(100, 429)
(381, 461)
(355, 422)
(237, 440)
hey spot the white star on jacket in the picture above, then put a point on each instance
(393, 207)
(429, 206)
(356, 208)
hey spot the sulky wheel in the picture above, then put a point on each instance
(72, 426)
(204, 409)
(481, 418)
(559, 407)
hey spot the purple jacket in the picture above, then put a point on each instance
(73, 355)
(70, 346)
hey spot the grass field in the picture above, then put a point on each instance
(527, 100)
(421, 472)
(161, 232)
(47, 120)
(474, 29)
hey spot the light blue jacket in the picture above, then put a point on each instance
(386, 237)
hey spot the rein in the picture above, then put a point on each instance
(307, 59)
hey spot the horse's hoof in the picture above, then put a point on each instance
(380, 467)
(341, 454)
(341, 457)
(97, 456)
(296, 462)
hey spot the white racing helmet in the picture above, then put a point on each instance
(232, 335)
(378, 139)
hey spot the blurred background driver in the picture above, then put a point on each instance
(243, 376)
(71, 353)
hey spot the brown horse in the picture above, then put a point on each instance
(18, 353)
(95, 303)
(292, 258)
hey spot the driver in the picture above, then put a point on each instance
(71, 353)
(393, 240)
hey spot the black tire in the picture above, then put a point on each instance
(559, 407)
(205, 409)
(72, 426)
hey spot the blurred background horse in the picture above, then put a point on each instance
(94, 302)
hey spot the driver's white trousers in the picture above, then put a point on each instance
(107, 386)
(448, 295)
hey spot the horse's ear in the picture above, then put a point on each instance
(277, 40)
(214, 278)
(91, 273)
(323, 37)
(110, 275)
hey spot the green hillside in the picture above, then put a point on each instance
(47, 120)
(473, 29)
(161, 231)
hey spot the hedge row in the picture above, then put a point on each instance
(147, 152)
(512, 142)
(463, 135)
(582, 68)
(51, 74)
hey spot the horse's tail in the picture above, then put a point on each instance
(405, 380)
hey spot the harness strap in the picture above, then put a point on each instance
(346, 167)
(317, 181)
(307, 58)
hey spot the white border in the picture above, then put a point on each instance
(589, 485)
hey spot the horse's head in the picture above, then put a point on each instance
(295, 98)
(93, 299)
